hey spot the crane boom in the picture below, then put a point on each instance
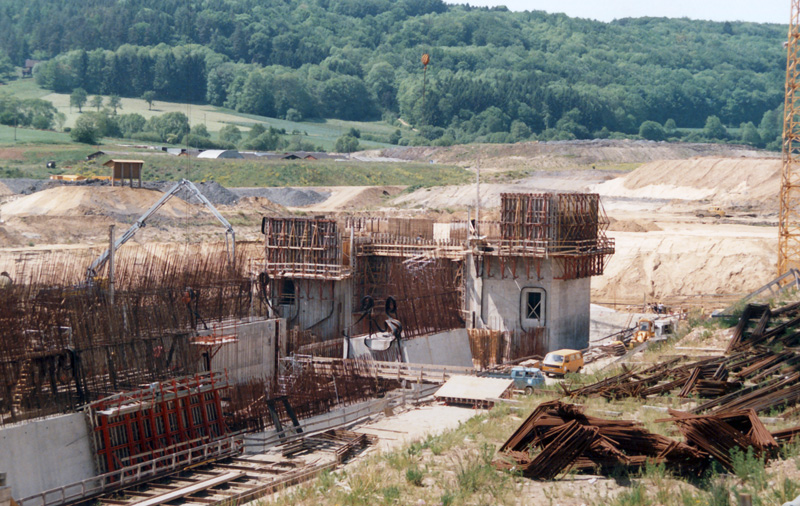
(142, 221)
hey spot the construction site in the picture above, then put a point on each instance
(572, 337)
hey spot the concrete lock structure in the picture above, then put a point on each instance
(527, 276)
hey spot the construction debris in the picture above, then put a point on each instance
(759, 370)
(605, 445)
(557, 437)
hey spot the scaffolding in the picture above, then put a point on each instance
(305, 248)
(428, 293)
(568, 227)
(65, 344)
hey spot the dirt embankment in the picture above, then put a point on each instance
(562, 154)
(740, 182)
(88, 201)
(687, 260)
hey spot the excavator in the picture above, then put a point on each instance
(91, 273)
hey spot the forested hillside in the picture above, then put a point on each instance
(494, 76)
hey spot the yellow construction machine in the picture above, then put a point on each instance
(713, 211)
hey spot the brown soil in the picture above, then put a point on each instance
(560, 155)
(632, 226)
(747, 182)
(88, 200)
(12, 153)
(352, 198)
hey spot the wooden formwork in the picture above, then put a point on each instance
(304, 248)
(569, 227)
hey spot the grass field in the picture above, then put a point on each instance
(24, 88)
(31, 136)
(30, 161)
(243, 173)
(322, 132)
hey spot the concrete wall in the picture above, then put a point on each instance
(495, 301)
(323, 307)
(444, 348)
(254, 354)
(568, 313)
(606, 321)
(44, 454)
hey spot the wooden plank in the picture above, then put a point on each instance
(248, 469)
(192, 489)
(202, 500)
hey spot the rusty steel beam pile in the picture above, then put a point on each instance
(548, 443)
(63, 342)
(558, 437)
(760, 369)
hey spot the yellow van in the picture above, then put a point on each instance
(562, 361)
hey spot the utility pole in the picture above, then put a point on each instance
(478, 199)
(111, 265)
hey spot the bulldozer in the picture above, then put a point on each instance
(648, 329)
(712, 211)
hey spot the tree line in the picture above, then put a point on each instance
(495, 76)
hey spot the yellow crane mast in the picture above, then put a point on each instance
(789, 225)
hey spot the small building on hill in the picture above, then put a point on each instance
(125, 169)
(27, 69)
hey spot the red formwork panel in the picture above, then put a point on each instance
(163, 418)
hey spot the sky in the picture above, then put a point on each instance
(762, 11)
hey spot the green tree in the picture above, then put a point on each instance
(346, 144)
(381, 82)
(85, 130)
(714, 129)
(269, 140)
(230, 134)
(256, 130)
(130, 124)
(670, 127)
(520, 131)
(200, 130)
(750, 134)
(115, 103)
(97, 102)
(170, 127)
(771, 126)
(149, 96)
(651, 131)
(78, 98)
(7, 70)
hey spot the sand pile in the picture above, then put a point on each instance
(5, 191)
(259, 204)
(87, 201)
(632, 226)
(725, 181)
(350, 198)
(286, 196)
(562, 154)
(688, 261)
